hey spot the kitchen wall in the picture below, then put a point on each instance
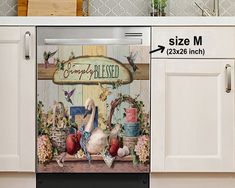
(137, 7)
(143, 7)
(8, 7)
(119, 8)
(188, 7)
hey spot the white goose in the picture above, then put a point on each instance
(98, 139)
(90, 107)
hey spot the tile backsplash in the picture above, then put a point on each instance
(8, 7)
(119, 8)
(137, 7)
(188, 7)
(143, 7)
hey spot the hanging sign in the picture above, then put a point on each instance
(92, 70)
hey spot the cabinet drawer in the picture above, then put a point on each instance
(9, 34)
(218, 42)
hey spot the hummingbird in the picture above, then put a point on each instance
(131, 60)
(47, 56)
(68, 95)
(72, 56)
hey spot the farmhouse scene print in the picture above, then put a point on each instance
(93, 105)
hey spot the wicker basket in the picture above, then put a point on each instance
(130, 142)
(115, 104)
(57, 134)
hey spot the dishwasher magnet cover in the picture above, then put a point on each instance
(93, 106)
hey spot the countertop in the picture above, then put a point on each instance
(117, 21)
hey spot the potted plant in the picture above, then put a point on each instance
(158, 7)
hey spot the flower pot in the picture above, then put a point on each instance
(132, 129)
(131, 115)
(157, 13)
(130, 142)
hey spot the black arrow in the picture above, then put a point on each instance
(160, 48)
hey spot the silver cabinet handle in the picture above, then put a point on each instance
(27, 44)
(228, 78)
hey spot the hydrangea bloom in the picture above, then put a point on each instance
(142, 148)
(45, 152)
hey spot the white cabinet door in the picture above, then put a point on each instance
(192, 116)
(17, 99)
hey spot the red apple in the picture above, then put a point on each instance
(114, 146)
(114, 142)
(113, 150)
(72, 144)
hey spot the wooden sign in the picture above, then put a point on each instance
(92, 70)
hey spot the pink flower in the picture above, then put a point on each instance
(142, 148)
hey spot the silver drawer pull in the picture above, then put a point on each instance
(228, 78)
(27, 44)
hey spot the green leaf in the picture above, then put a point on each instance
(55, 152)
(135, 159)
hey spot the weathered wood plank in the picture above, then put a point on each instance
(77, 98)
(47, 74)
(93, 91)
(142, 73)
(119, 52)
(95, 158)
(46, 48)
(141, 88)
(94, 167)
(145, 94)
(47, 92)
(64, 53)
(94, 50)
(143, 56)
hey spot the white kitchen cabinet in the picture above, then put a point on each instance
(17, 99)
(192, 115)
(218, 42)
(13, 180)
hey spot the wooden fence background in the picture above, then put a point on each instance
(48, 92)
